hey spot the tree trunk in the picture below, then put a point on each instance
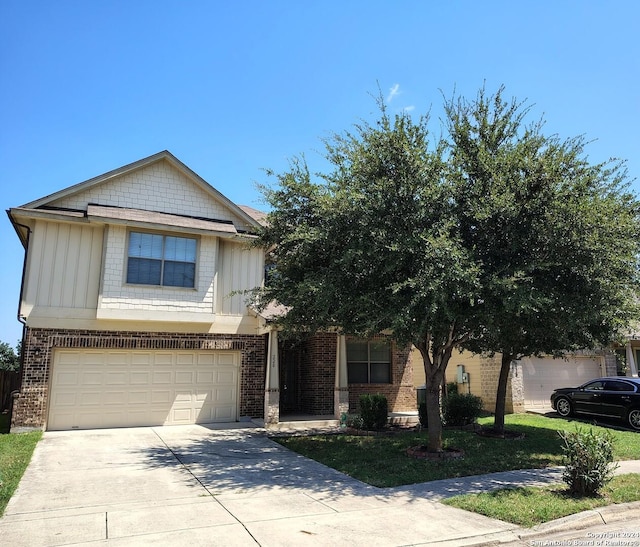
(434, 428)
(501, 395)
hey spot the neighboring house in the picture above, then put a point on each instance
(533, 379)
(134, 313)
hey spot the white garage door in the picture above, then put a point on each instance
(543, 375)
(111, 388)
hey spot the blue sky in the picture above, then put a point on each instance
(232, 88)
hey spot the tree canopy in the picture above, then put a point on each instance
(556, 236)
(9, 359)
(443, 238)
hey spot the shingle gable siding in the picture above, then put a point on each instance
(157, 187)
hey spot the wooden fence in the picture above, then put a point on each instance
(9, 381)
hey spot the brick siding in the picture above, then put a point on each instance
(400, 394)
(318, 373)
(31, 406)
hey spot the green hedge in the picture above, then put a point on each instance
(374, 411)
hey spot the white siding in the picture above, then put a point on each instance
(64, 266)
(158, 187)
(240, 268)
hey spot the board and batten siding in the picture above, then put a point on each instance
(79, 271)
(64, 264)
(240, 268)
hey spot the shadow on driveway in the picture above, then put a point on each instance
(227, 461)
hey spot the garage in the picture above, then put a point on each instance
(122, 388)
(541, 375)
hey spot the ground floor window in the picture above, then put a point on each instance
(369, 361)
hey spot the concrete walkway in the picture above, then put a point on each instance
(194, 485)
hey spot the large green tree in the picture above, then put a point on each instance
(374, 245)
(489, 236)
(556, 238)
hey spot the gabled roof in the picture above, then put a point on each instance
(165, 155)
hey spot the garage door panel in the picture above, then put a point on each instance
(184, 377)
(183, 397)
(143, 360)
(225, 377)
(163, 360)
(115, 398)
(91, 378)
(227, 358)
(64, 399)
(139, 378)
(90, 398)
(67, 378)
(221, 414)
(204, 377)
(138, 398)
(185, 359)
(202, 396)
(162, 377)
(224, 395)
(117, 378)
(93, 389)
(181, 416)
(158, 396)
(117, 358)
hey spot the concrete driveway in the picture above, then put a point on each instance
(194, 485)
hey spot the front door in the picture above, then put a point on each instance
(289, 363)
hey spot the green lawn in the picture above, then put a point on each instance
(16, 450)
(531, 506)
(381, 460)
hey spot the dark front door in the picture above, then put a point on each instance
(289, 364)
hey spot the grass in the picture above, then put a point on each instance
(381, 460)
(16, 450)
(531, 506)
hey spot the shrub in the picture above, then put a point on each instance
(461, 409)
(588, 458)
(452, 387)
(374, 411)
(354, 421)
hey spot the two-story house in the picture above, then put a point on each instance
(134, 310)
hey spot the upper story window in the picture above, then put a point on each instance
(155, 259)
(369, 361)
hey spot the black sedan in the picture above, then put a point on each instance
(613, 397)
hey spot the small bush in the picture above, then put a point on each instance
(461, 409)
(588, 458)
(452, 387)
(374, 411)
(354, 421)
